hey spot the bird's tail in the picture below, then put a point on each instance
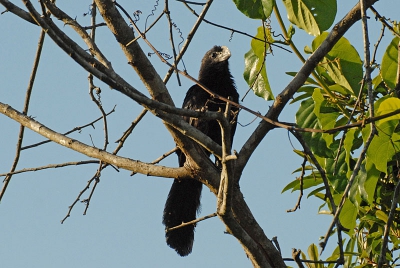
(181, 206)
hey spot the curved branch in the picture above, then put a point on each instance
(61, 15)
(121, 162)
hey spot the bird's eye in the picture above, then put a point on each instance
(214, 55)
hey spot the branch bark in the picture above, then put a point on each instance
(121, 162)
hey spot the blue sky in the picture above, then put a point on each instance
(123, 225)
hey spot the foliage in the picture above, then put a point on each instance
(362, 186)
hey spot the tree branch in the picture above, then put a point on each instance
(10, 7)
(76, 163)
(25, 111)
(121, 162)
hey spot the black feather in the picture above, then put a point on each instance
(183, 200)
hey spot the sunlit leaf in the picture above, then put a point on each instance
(371, 181)
(390, 63)
(382, 147)
(382, 216)
(308, 182)
(342, 64)
(336, 169)
(386, 105)
(314, 256)
(255, 72)
(306, 118)
(313, 16)
(348, 215)
(326, 115)
(255, 9)
(309, 80)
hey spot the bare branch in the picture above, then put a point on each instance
(188, 39)
(10, 7)
(69, 132)
(89, 40)
(158, 160)
(25, 111)
(171, 38)
(121, 162)
(50, 166)
(384, 22)
(301, 179)
(192, 222)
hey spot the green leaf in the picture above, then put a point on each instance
(308, 91)
(326, 114)
(314, 256)
(308, 182)
(371, 181)
(306, 118)
(382, 216)
(309, 80)
(350, 248)
(348, 147)
(348, 215)
(339, 89)
(386, 105)
(255, 72)
(357, 188)
(390, 63)
(336, 170)
(383, 148)
(255, 9)
(386, 143)
(316, 191)
(313, 16)
(342, 64)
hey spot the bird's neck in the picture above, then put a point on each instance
(219, 82)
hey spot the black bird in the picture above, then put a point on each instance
(183, 200)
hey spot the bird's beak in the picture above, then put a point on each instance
(225, 53)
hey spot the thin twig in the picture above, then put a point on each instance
(121, 142)
(76, 200)
(171, 38)
(384, 22)
(89, 41)
(70, 131)
(51, 166)
(192, 3)
(189, 38)
(237, 31)
(191, 222)
(311, 261)
(92, 87)
(162, 157)
(25, 112)
(382, 255)
(301, 179)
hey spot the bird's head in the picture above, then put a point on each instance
(215, 62)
